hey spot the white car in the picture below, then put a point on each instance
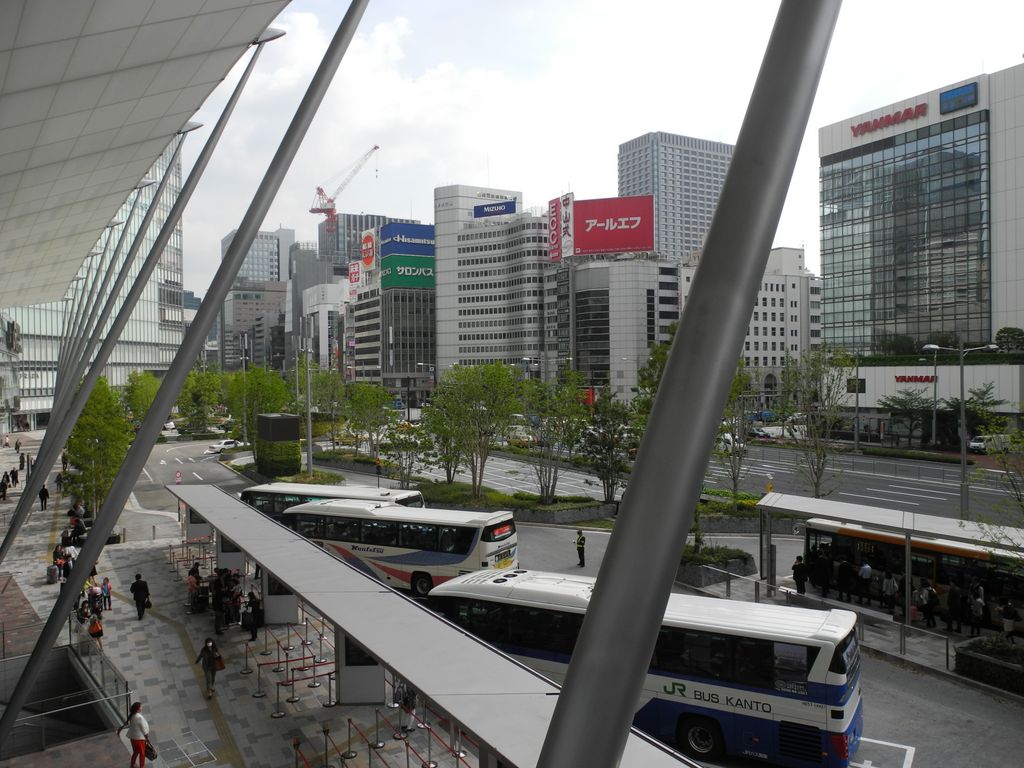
(220, 445)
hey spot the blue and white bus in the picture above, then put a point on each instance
(272, 499)
(769, 682)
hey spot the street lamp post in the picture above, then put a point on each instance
(856, 408)
(962, 353)
(935, 397)
(245, 392)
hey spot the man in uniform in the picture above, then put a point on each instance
(581, 545)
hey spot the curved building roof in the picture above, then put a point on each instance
(91, 92)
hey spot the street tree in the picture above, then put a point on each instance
(1010, 339)
(327, 396)
(406, 449)
(729, 450)
(200, 394)
(910, 408)
(980, 408)
(609, 442)
(556, 418)
(97, 445)
(255, 391)
(367, 414)
(139, 393)
(479, 402)
(442, 449)
(649, 377)
(814, 392)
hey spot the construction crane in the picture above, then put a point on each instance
(324, 203)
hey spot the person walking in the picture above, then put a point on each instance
(140, 591)
(96, 628)
(823, 571)
(1010, 616)
(44, 496)
(105, 591)
(800, 575)
(17, 446)
(581, 547)
(64, 461)
(7, 440)
(211, 660)
(928, 600)
(14, 477)
(58, 482)
(251, 610)
(138, 734)
(864, 581)
(954, 599)
(890, 588)
(844, 580)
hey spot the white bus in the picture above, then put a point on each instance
(412, 549)
(771, 682)
(273, 499)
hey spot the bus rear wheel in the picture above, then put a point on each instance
(421, 584)
(700, 737)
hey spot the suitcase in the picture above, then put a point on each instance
(52, 574)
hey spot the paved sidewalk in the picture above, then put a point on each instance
(157, 658)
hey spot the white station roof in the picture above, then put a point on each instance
(497, 701)
(91, 92)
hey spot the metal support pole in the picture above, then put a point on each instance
(279, 667)
(266, 642)
(377, 744)
(964, 503)
(246, 670)
(260, 693)
(592, 716)
(330, 695)
(278, 713)
(309, 411)
(935, 398)
(856, 408)
(292, 698)
(288, 639)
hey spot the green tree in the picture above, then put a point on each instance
(815, 387)
(98, 444)
(367, 414)
(729, 450)
(1010, 339)
(406, 448)
(443, 449)
(909, 407)
(327, 395)
(556, 419)
(199, 396)
(139, 394)
(479, 402)
(980, 409)
(255, 391)
(608, 442)
(649, 376)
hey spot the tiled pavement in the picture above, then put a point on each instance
(156, 656)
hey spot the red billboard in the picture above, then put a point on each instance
(613, 225)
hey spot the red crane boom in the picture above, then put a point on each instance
(324, 203)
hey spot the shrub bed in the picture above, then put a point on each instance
(993, 661)
(910, 453)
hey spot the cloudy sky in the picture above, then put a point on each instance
(537, 96)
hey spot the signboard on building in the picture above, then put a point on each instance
(961, 97)
(612, 225)
(353, 279)
(494, 209)
(409, 239)
(368, 250)
(401, 270)
(555, 229)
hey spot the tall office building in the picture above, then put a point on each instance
(269, 250)
(153, 333)
(922, 228)
(341, 246)
(685, 175)
(490, 278)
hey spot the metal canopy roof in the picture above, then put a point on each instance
(91, 92)
(898, 521)
(497, 701)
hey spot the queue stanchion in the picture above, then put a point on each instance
(246, 670)
(259, 693)
(266, 641)
(349, 753)
(288, 640)
(393, 704)
(376, 717)
(459, 752)
(330, 696)
(327, 732)
(319, 659)
(278, 668)
(305, 661)
(400, 734)
(314, 683)
(278, 712)
(429, 762)
(292, 698)
(306, 642)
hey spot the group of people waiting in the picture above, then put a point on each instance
(963, 604)
(224, 589)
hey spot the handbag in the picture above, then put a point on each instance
(96, 629)
(218, 662)
(149, 603)
(150, 750)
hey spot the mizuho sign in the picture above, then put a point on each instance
(403, 271)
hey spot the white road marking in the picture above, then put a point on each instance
(197, 476)
(178, 460)
(951, 492)
(147, 474)
(908, 757)
(878, 498)
(163, 461)
(915, 495)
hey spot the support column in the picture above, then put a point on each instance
(591, 720)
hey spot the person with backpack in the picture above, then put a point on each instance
(927, 601)
(976, 601)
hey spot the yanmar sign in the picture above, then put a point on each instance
(899, 116)
(915, 379)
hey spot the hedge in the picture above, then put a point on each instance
(278, 459)
(993, 661)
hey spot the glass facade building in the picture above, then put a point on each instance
(905, 239)
(154, 331)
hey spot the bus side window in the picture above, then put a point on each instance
(754, 662)
(417, 536)
(446, 542)
(342, 529)
(463, 539)
(310, 526)
(380, 532)
(793, 662)
(485, 620)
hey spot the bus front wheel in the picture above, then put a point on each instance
(421, 584)
(700, 737)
